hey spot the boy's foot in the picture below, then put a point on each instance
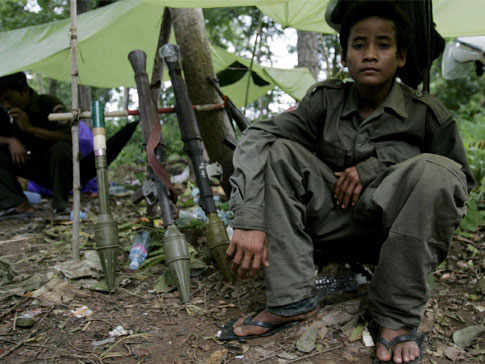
(24, 209)
(263, 324)
(399, 346)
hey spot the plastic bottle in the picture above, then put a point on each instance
(139, 249)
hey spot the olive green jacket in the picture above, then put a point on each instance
(327, 123)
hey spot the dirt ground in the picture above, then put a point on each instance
(157, 328)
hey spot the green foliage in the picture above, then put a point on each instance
(16, 14)
(235, 29)
(133, 152)
(463, 95)
(466, 99)
(475, 212)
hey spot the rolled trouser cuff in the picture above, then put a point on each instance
(296, 308)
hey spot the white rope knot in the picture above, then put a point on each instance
(76, 113)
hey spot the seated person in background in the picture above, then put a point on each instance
(371, 169)
(31, 146)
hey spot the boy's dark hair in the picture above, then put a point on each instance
(363, 9)
(16, 81)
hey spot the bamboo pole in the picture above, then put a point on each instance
(76, 188)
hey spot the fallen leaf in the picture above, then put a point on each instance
(445, 277)
(348, 356)
(356, 333)
(451, 353)
(323, 332)
(287, 356)
(336, 318)
(217, 357)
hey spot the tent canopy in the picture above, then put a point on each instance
(106, 36)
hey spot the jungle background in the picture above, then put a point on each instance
(74, 320)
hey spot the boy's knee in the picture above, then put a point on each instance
(281, 147)
(438, 170)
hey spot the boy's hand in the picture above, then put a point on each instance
(21, 118)
(17, 151)
(248, 250)
(348, 187)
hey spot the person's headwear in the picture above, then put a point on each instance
(334, 14)
(16, 81)
(425, 43)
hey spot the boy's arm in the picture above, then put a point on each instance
(444, 139)
(23, 121)
(248, 247)
(17, 150)
(247, 181)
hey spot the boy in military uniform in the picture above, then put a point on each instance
(31, 146)
(370, 168)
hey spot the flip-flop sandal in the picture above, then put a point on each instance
(227, 331)
(413, 335)
(12, 213)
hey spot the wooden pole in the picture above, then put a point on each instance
(157, 73)
(76, 188)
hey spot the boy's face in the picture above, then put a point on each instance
(372, 56)
(14, 98)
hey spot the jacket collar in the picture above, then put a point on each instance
(394, 101)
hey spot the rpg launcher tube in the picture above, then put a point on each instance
(106, 231)
(217, 236)
(177, 259)
(218, 242)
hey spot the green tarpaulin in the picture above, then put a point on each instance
(453, 18)
(108, 34)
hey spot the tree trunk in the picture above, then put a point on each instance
(126, 98)
(307, 48)
(85, 94)
(52, 87)
(197, 67)
(157, 72)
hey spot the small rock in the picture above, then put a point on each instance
(306, 342)
(465, 337)
(25, 322)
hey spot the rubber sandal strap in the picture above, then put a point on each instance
(386, 343)
(249, 321)
(410, 336)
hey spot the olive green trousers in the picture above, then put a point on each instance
(405, 219)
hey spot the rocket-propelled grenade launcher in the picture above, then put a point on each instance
(174, 243)
(216, 237)
(106, 231)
